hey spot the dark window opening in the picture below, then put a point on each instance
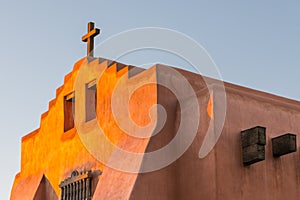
(69, 104)
(90, 100)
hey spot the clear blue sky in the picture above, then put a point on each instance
(254, 43)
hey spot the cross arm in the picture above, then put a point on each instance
(93, 32)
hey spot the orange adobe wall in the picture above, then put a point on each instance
(51, 154)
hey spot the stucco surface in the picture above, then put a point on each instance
(54, 153)
(51, 152)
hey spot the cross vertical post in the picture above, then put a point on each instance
(89, 38)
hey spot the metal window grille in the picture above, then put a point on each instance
(77, 187)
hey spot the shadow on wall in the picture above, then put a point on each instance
(45, 191)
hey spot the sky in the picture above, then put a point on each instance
(253, 43)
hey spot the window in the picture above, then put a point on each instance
(90, 100)
(69, 104)
(78, 186)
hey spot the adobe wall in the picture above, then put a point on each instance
(221, 174)
(51, 152)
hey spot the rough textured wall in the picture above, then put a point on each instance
(222, 175)
(51, 152)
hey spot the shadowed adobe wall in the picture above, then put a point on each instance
(221, 174)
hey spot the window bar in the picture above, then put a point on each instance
(77, 190)
(69, 189)
(80, 188)
(70, 194)
(62, 194)
(65, 193)
(84, 194)
(88, 188)
(73, 191)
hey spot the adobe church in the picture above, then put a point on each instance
(95, 139)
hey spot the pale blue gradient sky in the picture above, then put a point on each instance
(254, 43)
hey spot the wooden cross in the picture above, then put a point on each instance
(89, 38)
